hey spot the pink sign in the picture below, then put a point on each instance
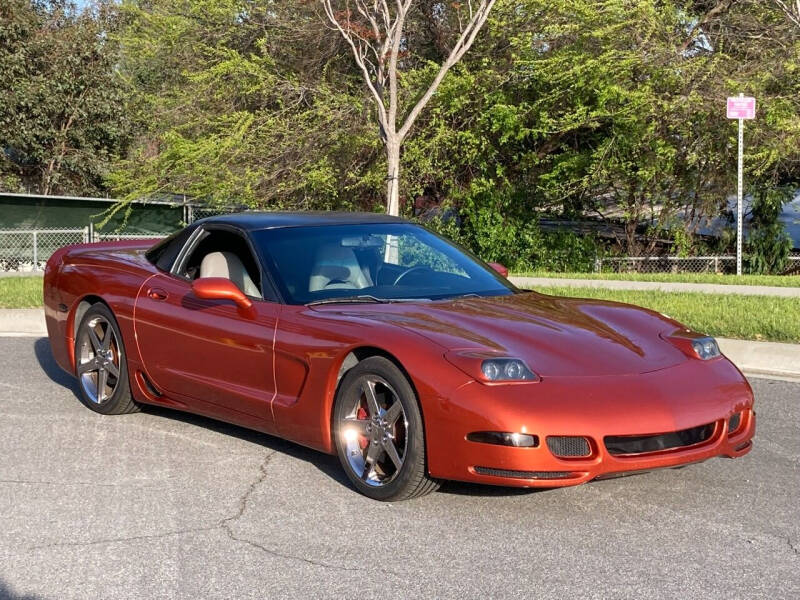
(741, 107)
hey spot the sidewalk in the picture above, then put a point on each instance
(756, 359)
(22, 322)
(664, 286)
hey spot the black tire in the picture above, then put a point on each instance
(381, 479)
(94, 355)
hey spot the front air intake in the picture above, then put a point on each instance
(569, 446)
(643, 444)
(523, 474)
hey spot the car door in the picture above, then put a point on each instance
(211, 351)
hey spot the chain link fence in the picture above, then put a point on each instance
(27, 250)
(195, 213)
(723, 264)
(24, 250)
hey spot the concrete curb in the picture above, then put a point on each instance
(758, 359)
(763, 359)
(22, 322)
(662, 286)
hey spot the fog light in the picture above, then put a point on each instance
(734, 422)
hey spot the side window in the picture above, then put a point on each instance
(223, 253)
(163, 254)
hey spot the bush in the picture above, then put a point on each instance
(518, 243)
(769, 250)
(769, 245)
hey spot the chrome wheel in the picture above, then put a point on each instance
(98, 360)
(373, 431)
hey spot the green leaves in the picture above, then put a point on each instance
(563, 108)
(62, 120)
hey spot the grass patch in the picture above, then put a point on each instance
(766, 318)
(20, 292)
(770, 280)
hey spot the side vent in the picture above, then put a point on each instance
(146, 385)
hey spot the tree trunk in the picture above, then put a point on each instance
(393, 178)
(391, 254)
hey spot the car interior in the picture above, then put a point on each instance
(332, 264)
(225, 254)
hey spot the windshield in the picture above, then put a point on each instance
(377, 262)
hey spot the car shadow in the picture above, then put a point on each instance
(463, 488)
(41, 348)
(6, 593)
(325, 463)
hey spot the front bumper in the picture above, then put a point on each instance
(686, 396)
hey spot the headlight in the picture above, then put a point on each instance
(705, 348)
(488, 367)
(693, 345)
(506, 369)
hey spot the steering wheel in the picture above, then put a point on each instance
(408, 271)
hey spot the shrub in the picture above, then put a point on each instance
(516, 242)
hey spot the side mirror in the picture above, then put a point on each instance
(499, 268)
(219, 288)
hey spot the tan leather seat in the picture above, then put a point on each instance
(228, 265)
(336, 267)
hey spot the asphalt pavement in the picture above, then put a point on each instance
(160, 504)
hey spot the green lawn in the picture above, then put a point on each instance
(771, 280)
(725, 315)
(745, 317)
(20, 292)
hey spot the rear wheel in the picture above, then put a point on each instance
(101, 364)
(379, 434)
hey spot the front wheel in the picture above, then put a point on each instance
(100, 363)
(379, 434)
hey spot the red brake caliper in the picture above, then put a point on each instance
(362, 415)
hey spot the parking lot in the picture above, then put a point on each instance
(165, 505)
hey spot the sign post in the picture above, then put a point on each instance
(741, 108)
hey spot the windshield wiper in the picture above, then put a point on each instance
(365, 299)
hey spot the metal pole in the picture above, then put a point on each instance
(739, 202)
(35, 252)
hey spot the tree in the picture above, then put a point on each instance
(242, 103)
(62, 121)
(792, 11)
(375, 32)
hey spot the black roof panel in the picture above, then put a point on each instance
(270, 220)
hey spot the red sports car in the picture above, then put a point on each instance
(373, 338)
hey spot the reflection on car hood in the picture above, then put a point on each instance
(555, 336)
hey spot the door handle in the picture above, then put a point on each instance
(156, 294)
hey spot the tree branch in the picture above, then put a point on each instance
(791, 12)
(463, 44)
(357, 55)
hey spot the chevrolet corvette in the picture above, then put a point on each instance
(374, 339)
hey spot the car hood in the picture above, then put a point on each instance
(556, 336)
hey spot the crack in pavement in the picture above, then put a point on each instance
(794, 548)
(133, 538)
(78, 483)
(226, 525)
